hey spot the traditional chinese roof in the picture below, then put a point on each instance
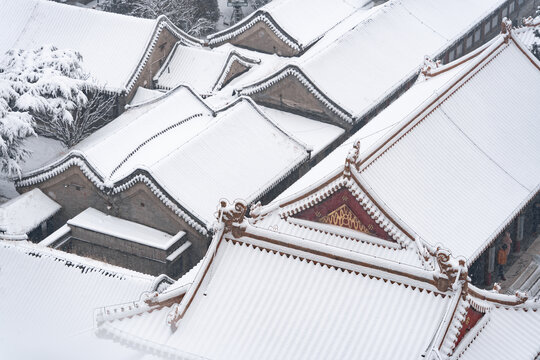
(233, 297)
(282, 17)
(114, 47)
(259, 294)
(486, 324)
(24, 213)
(437, 164)
(183, 151)
(353, 72)
(507, 332)
(143, 95)
(50, 297)
(529, 33)
(205, 70)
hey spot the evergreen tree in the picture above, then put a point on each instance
(45, 83)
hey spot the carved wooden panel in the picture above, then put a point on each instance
(342, 209)
(471, 319)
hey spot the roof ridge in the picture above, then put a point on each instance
(387, 141)
(153, 137)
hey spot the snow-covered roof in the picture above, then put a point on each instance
(196, 155)
(50, 297)
(465, 161)
(114, 47)
(447, 168)
(265, 296)
(374, 130)
(21, 215)
(508, 333)
(332, 164)
(315, 134)
(529, 34)
(205, 70)
(261, 294)
(143, 95)
(284, 18)
(354, 72)
(95, 220)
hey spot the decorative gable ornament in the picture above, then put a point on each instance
(342, 209)
(429, 66)
(353, 159)
(232, 216)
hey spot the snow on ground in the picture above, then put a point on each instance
(43, 150)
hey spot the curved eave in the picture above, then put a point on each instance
(233, 57)
(294, 70)
(162, 22)
(77, 158)
(256, 17)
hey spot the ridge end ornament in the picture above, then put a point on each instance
(352, 159)
(232, 216)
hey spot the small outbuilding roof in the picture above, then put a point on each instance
(21, 215)
(205, 70)
(94, 220)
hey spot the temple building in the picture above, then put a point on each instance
(454, 161)
(372, 259)
(263, 294)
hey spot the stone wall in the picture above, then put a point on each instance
(237, 69)
(291, 95)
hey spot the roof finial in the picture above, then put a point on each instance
(506, 26)
(429, 66)
(232, 216)
(353, 158)
(532, 22)
(456, 271)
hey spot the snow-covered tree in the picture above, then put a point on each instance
(87, 118)
(196, 17)
(45, 85)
